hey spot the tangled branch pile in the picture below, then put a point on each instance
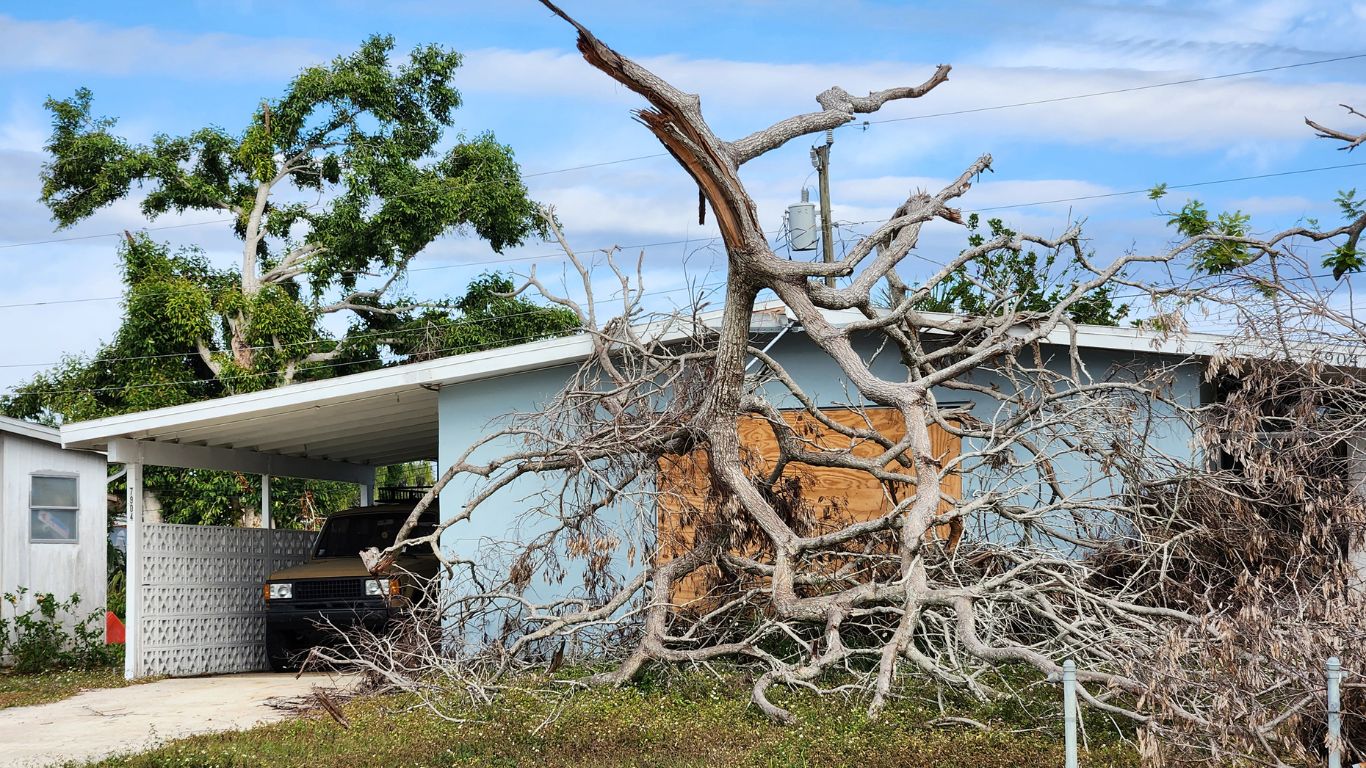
(1009, 500)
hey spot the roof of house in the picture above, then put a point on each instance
(390, 415)
(29, 429)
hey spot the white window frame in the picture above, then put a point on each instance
(76, 530)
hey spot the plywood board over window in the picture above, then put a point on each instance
(814, 499)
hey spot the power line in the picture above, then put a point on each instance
(376, 334)
(1112, 92)
(185, 225)
(114, 234)
(1173, 186)
(596, 165)
(864, 122)
(445, 351)
(260, 347)
(559, 255)
(118, 388)
(59, 301)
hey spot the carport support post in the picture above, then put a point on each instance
(367, 490)
(132, 648)
(265, 502)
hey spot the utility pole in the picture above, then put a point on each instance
(820, 157)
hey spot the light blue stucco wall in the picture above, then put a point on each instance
(470, 410)
(467, 413)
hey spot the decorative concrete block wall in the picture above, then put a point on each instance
(202, 610)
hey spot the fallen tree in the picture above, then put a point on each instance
(1081, 531)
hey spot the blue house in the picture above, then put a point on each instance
(342, 429)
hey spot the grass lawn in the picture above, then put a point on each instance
(22, 690)
(691, 722)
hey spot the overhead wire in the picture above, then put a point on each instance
(559, 256)
(1112, 91)
(1012, 105)
(996, 107)
(448, 350)
(259, 374)
(352, 337)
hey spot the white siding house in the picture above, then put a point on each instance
(52, 515)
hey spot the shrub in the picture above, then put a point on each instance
(39, 640)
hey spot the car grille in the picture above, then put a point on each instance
(328, 589)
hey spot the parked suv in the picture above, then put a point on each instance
(306, 605)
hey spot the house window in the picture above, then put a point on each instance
(54, 508)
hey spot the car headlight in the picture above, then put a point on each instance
(283, 591)
(380, 587)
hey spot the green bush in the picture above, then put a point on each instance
(38, 639)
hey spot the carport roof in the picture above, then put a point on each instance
(374, 418)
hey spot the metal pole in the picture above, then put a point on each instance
(1069, 712)
(1334, 712)
(822, 154)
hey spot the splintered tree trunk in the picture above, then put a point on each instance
(1082, 514)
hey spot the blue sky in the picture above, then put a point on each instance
(172, 67)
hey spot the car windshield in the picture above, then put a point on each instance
(348, 535)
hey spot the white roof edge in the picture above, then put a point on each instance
(455, 369)
(446, 370)
(29, 429)
(1089, 336)
(546, 353)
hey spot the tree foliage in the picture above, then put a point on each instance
(151, 362)
(333, 188)
(1013, 279)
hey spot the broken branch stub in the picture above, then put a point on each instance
(952, 495)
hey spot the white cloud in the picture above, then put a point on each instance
(1211, 36)
(25, 130)
(741, 96)
(564, 113)
(1275, 205)
(79, 46)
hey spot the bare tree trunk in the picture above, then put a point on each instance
(1081, 531)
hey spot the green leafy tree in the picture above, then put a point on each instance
(360, 138)
(151, 363)
(1008, 279)
(486, 317)
(332, 188)
(1225, 241)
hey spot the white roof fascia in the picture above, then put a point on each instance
(203, 457)
(1087, 336)
(540, 354)
(31, 430)
(535, 355)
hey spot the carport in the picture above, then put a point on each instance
(194, 602)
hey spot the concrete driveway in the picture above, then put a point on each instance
(96, 724)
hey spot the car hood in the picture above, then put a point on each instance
(343, 567)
